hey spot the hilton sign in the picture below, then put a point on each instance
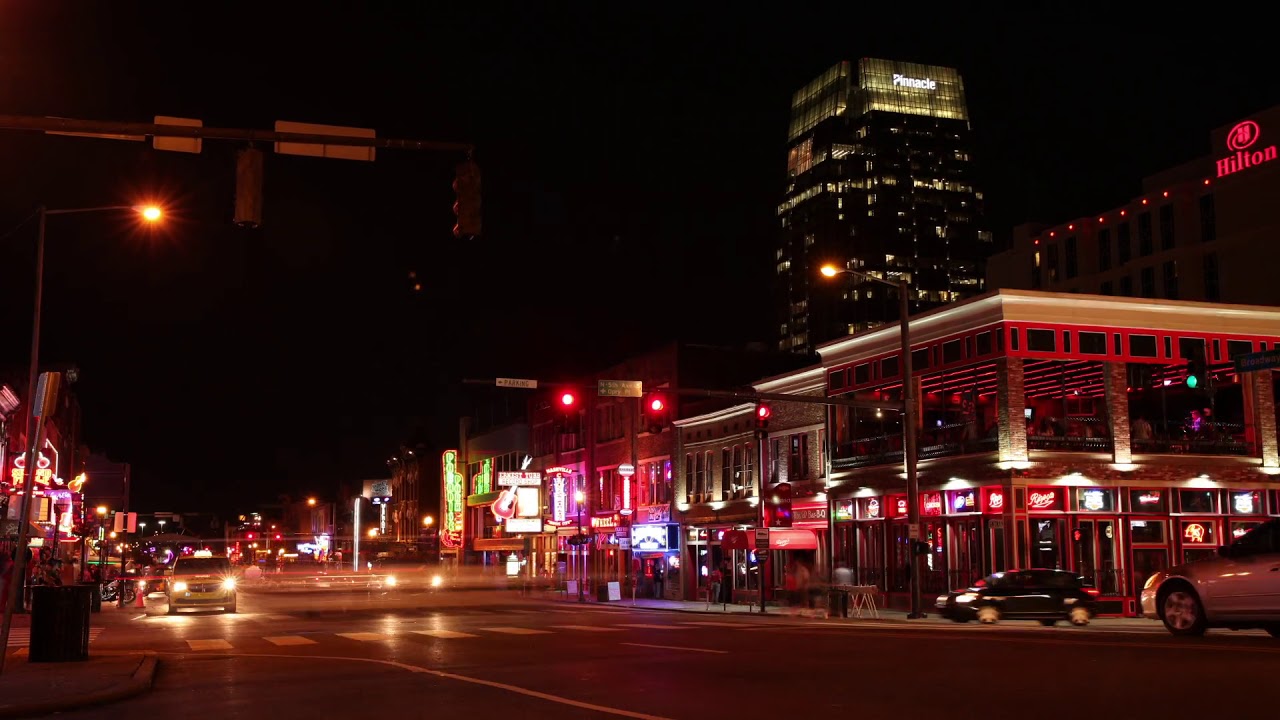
(1240, 141)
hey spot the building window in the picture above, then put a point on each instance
(1211, 289)
(1107, 289)
(1104, 250)
(1148, 282)
(1053, 264)
(1171, 280)
(1145, 246)
(775, 461)
(798, 461)
(1124, 246)
(1126, 286)
(1035, 271)
(740, 481)
(1071, 257)
(1208, 219)
(1166, 227)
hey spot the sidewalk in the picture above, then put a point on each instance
(35, 689)
(885, 615)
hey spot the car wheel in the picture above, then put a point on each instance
(1079, 616)
(988, 615)
(173, 610)
(1273, 631)
(1182, 612)
(958, 619)
(1048, 623)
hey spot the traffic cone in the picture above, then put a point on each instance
(142, 596)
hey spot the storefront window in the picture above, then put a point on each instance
(1198, 502)
(1199, 533)
(870, 509)
(1046, 499)
(1246, 502)
(1095, 500)
(1239, 528)
(1148, 501)
(1065, 406)
(1165, 416)
(1147, 532)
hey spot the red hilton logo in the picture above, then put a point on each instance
(1242, 137)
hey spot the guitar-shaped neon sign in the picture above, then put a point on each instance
(504, 508)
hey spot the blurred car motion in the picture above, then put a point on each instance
(1044, 595)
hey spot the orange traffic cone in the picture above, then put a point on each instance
(142, 595)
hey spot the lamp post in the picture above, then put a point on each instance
(908, 423)
(579, 497)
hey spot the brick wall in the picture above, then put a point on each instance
(1011, 403)
(1116, 382)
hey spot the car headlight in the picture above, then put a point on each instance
(1151, 581)
(179, 586)
(436, 581)
(391, 581)
(229, 584)
(966, 597)
(142, 584)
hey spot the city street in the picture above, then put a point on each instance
(482, 654)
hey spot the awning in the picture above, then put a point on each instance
(779, 539)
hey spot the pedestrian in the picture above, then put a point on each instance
(802, 585)
(726, 582)
(658, 579)
(842, 582)
(713, 594)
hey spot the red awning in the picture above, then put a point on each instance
(779, 539)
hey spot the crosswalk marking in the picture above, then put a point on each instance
(444, 634)
(363, 636)
(22, 636)
(209, 645)
(289, 640)
(588, 628)
(516, 630)
(645, 626)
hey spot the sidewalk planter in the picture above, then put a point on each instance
(60, 623)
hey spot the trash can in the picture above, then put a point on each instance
(60, 623)
(95, 596)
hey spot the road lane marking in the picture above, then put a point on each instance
(284, 640)
(717, 624)
(587, 628)
(646, 626)
(444, 634)
(515, 630)
(209, 644)
(1010, 637)
(363, 636)
(418, 669)
(676, 647)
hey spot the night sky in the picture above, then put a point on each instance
(632, 162)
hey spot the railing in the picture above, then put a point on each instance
(1073, 443)
(1194, 446)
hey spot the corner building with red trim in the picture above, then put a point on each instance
(1056, 431)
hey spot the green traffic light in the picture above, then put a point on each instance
(1192, 381)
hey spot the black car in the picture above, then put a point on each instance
(1044, 595)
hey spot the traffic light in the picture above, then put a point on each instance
(777, 506)
(277, 536)
(566, 408)
(1197, 372)
(466, 188)
(248, 188)
(249, 536)
(763, 412)
(655, 413)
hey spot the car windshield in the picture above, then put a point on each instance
(202, 566)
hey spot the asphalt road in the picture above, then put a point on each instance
(492, 655)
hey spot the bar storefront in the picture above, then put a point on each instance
(1115, 537)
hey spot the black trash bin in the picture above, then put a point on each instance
(60, 623)
(95, 596)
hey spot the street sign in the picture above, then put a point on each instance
(626, 470)
(620, 388)
(343, 152)
(126, 522)
(1252, 362)
(913, 532)
(762, 538)
(521, 383)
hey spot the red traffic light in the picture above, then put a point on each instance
(277, 536)
(568, 400)
(763, 412)
(250, 536)
(656, 404)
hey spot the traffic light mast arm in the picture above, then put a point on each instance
(745, 396)
(100, 127)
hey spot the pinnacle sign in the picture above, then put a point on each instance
(1241, 140)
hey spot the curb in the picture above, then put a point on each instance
(139, 682)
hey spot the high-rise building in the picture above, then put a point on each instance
(880, 180)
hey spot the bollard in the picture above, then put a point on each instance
(142, 594)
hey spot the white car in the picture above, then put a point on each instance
(1239, 590)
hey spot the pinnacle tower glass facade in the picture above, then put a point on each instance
(879, 180)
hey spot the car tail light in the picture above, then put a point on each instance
(1093, 592)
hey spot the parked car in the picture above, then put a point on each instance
(1239, 589)
(1044, 595)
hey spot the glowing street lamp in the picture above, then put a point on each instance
(373, 532)
(151, 213)
(311, 501)
(102, 509)
(427, 521)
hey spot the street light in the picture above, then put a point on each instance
(909, 445)
(149, 213)
(580, 497)
(311, 502)
(162, 522)
(427, 521)
(102, 509)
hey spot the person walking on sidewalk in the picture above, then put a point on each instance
(713, 594)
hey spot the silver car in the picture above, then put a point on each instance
(1239, 589)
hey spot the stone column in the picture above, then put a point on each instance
(1011, 402)
(1260, 413)
(1116, 382)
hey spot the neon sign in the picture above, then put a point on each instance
(1093, 500)
(454, 510)
(873, 508)
(1194, 533)
(44, 470)
(1149, 498)
(504, 508)
(902, 506)
(995, 500)
(1042, 500)
(1245, 503)
(1240, 139)
(933, 504)
(917, 83)
(559, 477)
(483, 481)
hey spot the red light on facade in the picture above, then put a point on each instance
(656, 405)
(1206, 181)
(1166, 193)
(1144, 201)
(1123, 213)
(1051, 233)
(1101, 220)
(1036, 242)
(568, 399)
(1071, 227)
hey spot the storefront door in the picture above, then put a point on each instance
(1046, 542)
(966, 551)
(1096, 557)
(996, 561)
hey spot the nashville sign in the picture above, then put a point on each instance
(1240, 141)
